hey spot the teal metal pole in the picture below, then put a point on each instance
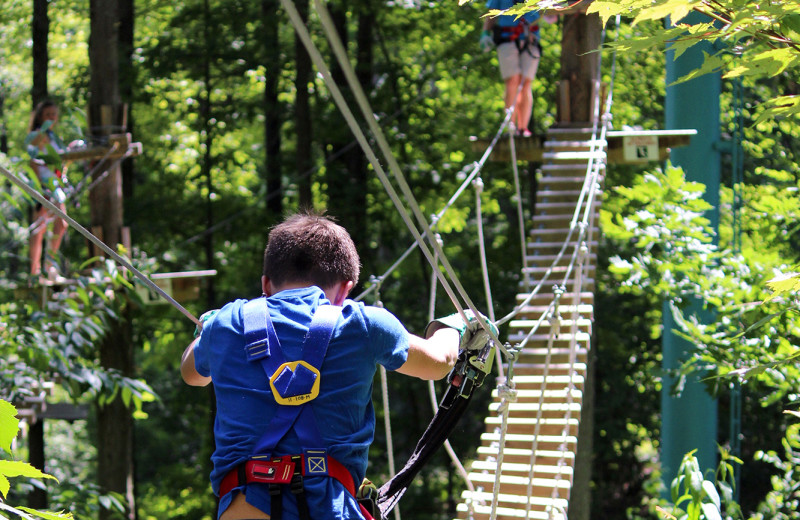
(689, 422)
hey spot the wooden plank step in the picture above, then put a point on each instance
(559, 143)
(554, 234)
(484, 512)
(543, 331)
(562, 342)
(548, 206)
(567, 130)
(554, 167)
(558, 269)
(531, 422)
(554, 379)
(518, 481)
(512, 468)
(566, 322)
(523, 455)
(518, 428)
(503, 498)
(551, 394)
(599, 155)
(588, 282)
(561, 219)
(566, 298)
(573, 194)
(563, 309)
(558, 369)
(541, 245)
(565, 182)
(557, 355)
(546, 410)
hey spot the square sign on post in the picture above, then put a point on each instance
(640, 148)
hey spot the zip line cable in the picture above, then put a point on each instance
(476, 169)
(96, 241)
(349, 117)
(369, 116)
(46, 219)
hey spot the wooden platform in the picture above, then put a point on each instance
(620, 146)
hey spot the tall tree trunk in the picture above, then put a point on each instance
(106, 113)
(41, 31)
(302, 113)
(273, 115)
(127, 81)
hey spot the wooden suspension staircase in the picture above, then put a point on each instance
(540, 443)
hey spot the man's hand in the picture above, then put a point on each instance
(486, 41)
(468, 331)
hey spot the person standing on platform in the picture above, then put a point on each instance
(44, 146)
(519, 52)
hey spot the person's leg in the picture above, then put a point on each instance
(37, 239)
(524, 105)
(512, 85)
(529, 64)
(59, 230)
(508, 56)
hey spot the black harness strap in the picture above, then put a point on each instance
(466, 376)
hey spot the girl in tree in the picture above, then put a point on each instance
(44, 147)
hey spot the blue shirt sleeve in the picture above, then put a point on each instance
(202, 349)
(388, 338)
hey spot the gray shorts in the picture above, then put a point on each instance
(513, 62)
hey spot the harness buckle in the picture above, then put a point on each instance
(277, 471)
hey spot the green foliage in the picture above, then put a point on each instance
(60, 338)
(783, 501)
(695, 498)
(11, 468)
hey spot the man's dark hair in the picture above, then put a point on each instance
(310, 248)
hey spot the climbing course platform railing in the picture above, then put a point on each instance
(532, 423)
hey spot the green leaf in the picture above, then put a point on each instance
(46, 515)
(5, 485)
(14, 468)
(9, 424)
(711, 492)
(710, 511)
(782, 284)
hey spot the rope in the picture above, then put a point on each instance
(432, 393)
(520, 215)
(387, 416)
(96, 241)
(316, 57)
(394, 167)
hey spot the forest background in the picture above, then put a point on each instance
(237, 129)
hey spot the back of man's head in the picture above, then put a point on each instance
(310, 248)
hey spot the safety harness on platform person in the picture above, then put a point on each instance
(294, 386)
(520, 34)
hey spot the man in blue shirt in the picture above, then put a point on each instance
(518, 51)
(310, 263)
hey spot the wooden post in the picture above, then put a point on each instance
(579, 65)
(37, 498)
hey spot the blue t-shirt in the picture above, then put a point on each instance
(364, 336)
(507, 20)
